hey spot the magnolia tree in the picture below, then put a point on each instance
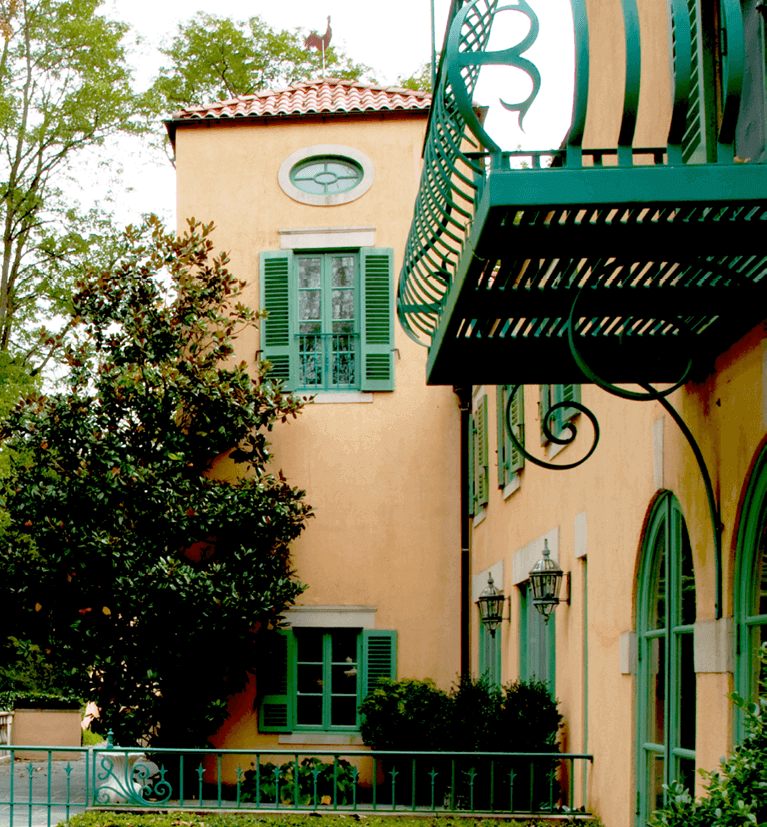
(147, 582)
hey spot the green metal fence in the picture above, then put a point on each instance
(45, 785)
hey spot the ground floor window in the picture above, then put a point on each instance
(315, 679)
(490, 655)
(537, 642)
(751, 586)
(667, 709)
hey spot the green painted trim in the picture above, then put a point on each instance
(745, 585)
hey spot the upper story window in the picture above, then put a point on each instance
(330, 324)
(325, 175)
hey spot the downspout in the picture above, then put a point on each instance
(464, 404)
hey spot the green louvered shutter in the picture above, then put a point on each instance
(502, 397)
(483, 464)
(377, 328)
(472, 481)
(544, 403)
(278, 345)
(516, 460)
(276, 686)
(379, 657)
(699, 142)
(510, 460)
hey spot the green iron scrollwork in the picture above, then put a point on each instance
(558, 439)
(130, 778)
(651, 394)
(461, 61)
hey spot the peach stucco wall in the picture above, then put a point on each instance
(382, 475)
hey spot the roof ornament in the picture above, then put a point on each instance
(314, 41)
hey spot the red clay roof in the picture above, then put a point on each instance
(315, 97)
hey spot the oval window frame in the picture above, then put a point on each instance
(323, 151)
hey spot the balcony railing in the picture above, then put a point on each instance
(660, 245)
(45, 790)
(328, 361)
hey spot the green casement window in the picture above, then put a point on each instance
(751, 588)
(537, 642)
(490, 655)
(665, 635)
(479, 457)
(510, 460)
(319, 677)
(326, 175)
(330, 323)
(553, 395)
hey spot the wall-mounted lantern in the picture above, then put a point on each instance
(546, 581)
(491, 606)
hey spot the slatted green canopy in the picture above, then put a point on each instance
(663, 248)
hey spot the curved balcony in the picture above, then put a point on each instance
(661, 246)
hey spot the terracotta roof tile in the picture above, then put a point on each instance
(311, 97)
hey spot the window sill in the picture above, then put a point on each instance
(336, 397)
(344, 739)
(479, 518)
(512, 486)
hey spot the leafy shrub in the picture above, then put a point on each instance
(406, 715)
(315, 783)
(736, 794)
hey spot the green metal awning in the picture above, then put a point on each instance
(666, 257)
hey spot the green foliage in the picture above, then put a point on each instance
(406, 715)
(261, 785)
(411, 715)
(418, 81)
(214, 58)
(736, 794)
(91, 738)
(59, 97)
(142, 571)
(26, 670)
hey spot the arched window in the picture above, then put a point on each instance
(666, 671)
(751, 585)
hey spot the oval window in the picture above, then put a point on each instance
(326, 176)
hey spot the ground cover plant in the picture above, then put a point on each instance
(192, 819)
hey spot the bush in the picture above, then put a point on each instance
(736, 794)
(406, 715)
(315, 783)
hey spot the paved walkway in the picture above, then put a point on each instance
(62, 783)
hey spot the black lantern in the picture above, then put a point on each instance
(491, 606)
(546, 581)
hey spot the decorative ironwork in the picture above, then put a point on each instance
(558, 439)
(130, 777)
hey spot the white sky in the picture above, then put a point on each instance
(393, 38)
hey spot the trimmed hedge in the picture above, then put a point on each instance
(191, 819)
(45, 700)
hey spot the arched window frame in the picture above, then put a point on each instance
(677, 635)
(749, 623)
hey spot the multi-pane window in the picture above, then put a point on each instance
(329, 323)
(328, 343)
(315, 679)
(751, 588)
(667, 683)
(326, 175)
(327, 678)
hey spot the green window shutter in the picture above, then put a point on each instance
(379, 657)
(544, 403)
(472, 439)
(376, 310)
(516, 460)
(277, 686)
(502, 397)
(278, 345)
(568, 393)
(483, 464)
